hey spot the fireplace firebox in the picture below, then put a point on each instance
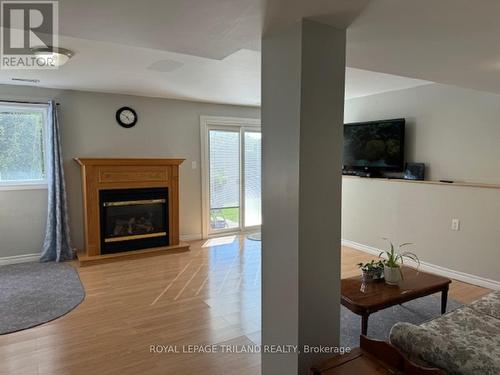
(133, 219)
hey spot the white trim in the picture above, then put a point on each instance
(204, 176)
(191, 237)
(442, 271)
(213, 122)
(242, 201)
(231, 121)
(24, 186)
(24, 107)
(19, 259)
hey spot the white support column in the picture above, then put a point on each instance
(303, 72)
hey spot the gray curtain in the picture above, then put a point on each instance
(57, 244)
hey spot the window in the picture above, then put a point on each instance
(22, 144)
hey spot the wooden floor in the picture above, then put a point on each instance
(210, 295)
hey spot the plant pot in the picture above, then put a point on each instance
(392, 275)
(372, 275)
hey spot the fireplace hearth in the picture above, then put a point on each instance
(133, 219)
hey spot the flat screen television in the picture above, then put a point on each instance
(374, 146)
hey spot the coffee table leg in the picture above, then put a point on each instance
(444, 300)
(364, 324)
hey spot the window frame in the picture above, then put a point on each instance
(29, 107)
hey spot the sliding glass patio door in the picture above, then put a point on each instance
(232, 176)
(224, 175)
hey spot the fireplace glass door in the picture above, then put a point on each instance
(133, 219)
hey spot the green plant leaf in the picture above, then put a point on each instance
(412, 256)
(395, 257)
(400, 259)
(405, 244)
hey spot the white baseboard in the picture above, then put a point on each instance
(19, 259)
(191, 237)
(424, 266)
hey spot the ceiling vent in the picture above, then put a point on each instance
(165, 66)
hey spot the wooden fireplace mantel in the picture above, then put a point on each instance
(129, 162)
(102, 174)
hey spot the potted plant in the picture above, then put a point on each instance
(372, 271)
(394, 260)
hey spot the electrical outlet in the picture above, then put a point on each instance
(455, 224)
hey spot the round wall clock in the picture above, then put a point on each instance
(126, 117)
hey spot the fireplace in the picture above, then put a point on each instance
(133, 219)
(130, 208)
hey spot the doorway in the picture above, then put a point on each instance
(231, 173)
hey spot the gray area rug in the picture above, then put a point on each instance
(379, 324)
(255, 236)
(35, 293)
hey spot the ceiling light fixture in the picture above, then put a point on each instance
(54, 56)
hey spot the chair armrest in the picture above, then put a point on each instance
(419, 344)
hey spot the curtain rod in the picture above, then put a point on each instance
(24, 102)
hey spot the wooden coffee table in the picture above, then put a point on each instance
(366, 298)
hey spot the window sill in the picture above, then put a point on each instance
(24, 186)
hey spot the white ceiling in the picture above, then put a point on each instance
(116, 68)
(363, 83)
(448, 41)
(208, 50)
(207, 28)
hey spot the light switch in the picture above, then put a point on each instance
(455, 224)
(193, 165)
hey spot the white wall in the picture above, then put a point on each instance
(166, 128)
(456, 132)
